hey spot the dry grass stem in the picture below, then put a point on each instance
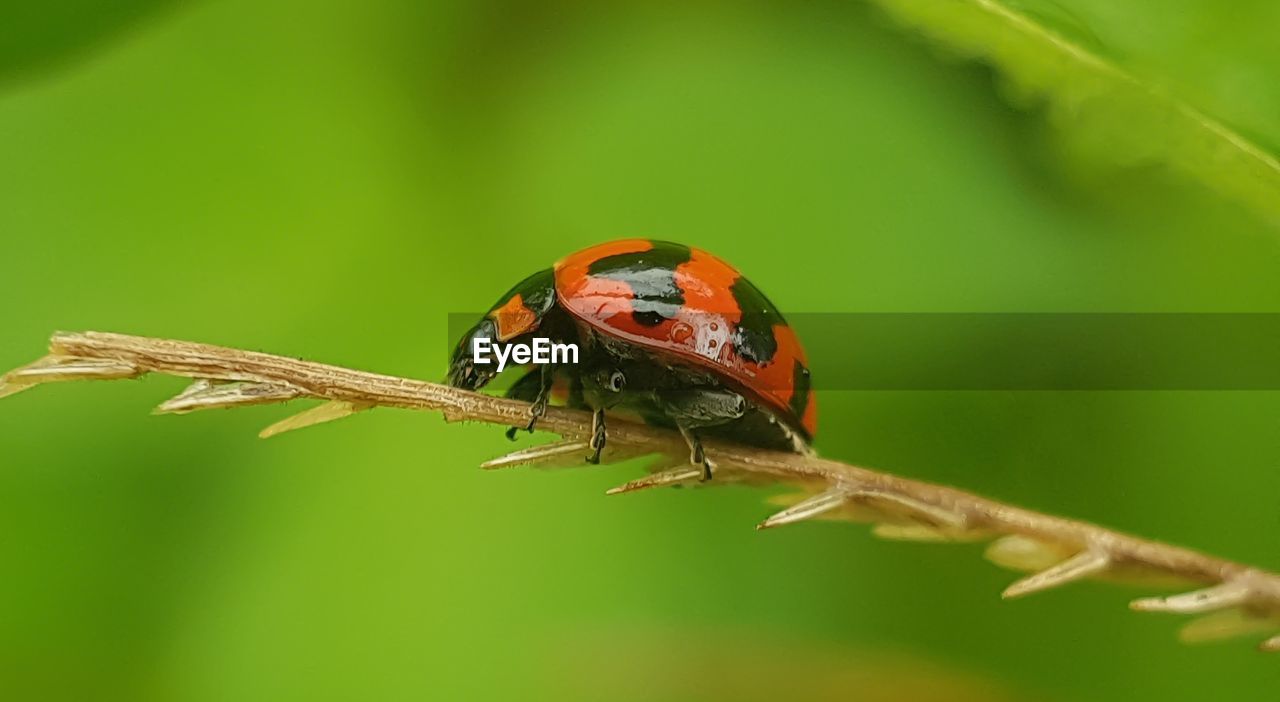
(1236, 598)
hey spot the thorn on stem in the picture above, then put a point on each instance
(205, 394)
(8, 387)
(60, 367)
(329, 411)
(807, 509)
(1228, 594)
(922, 513)
(666, 477)
(540, 455)
(1085, 564)
(55, 367)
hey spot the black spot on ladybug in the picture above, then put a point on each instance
(651, 275)
(649, 318)
(800, 386)
(538, 292)
(754, 338)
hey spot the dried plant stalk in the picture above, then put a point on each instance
(1237, 598)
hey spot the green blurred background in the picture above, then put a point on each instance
(330, 180)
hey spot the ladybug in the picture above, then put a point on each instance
(665, 332)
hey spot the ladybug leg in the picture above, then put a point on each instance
(691, 410)
(539, 406)
(598, 436)
(534, 387)
(697, 456)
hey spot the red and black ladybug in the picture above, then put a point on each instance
(666, 332)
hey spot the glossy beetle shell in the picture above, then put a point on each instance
(686, 302)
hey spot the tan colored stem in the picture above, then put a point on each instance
(1121, 552)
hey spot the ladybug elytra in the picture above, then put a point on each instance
(668, 333)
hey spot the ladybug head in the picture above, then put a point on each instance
(518, 313)
(464, 372)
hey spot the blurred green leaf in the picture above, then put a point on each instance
(35, 37)
(1050, 54)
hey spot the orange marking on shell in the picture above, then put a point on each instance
(513, 318)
